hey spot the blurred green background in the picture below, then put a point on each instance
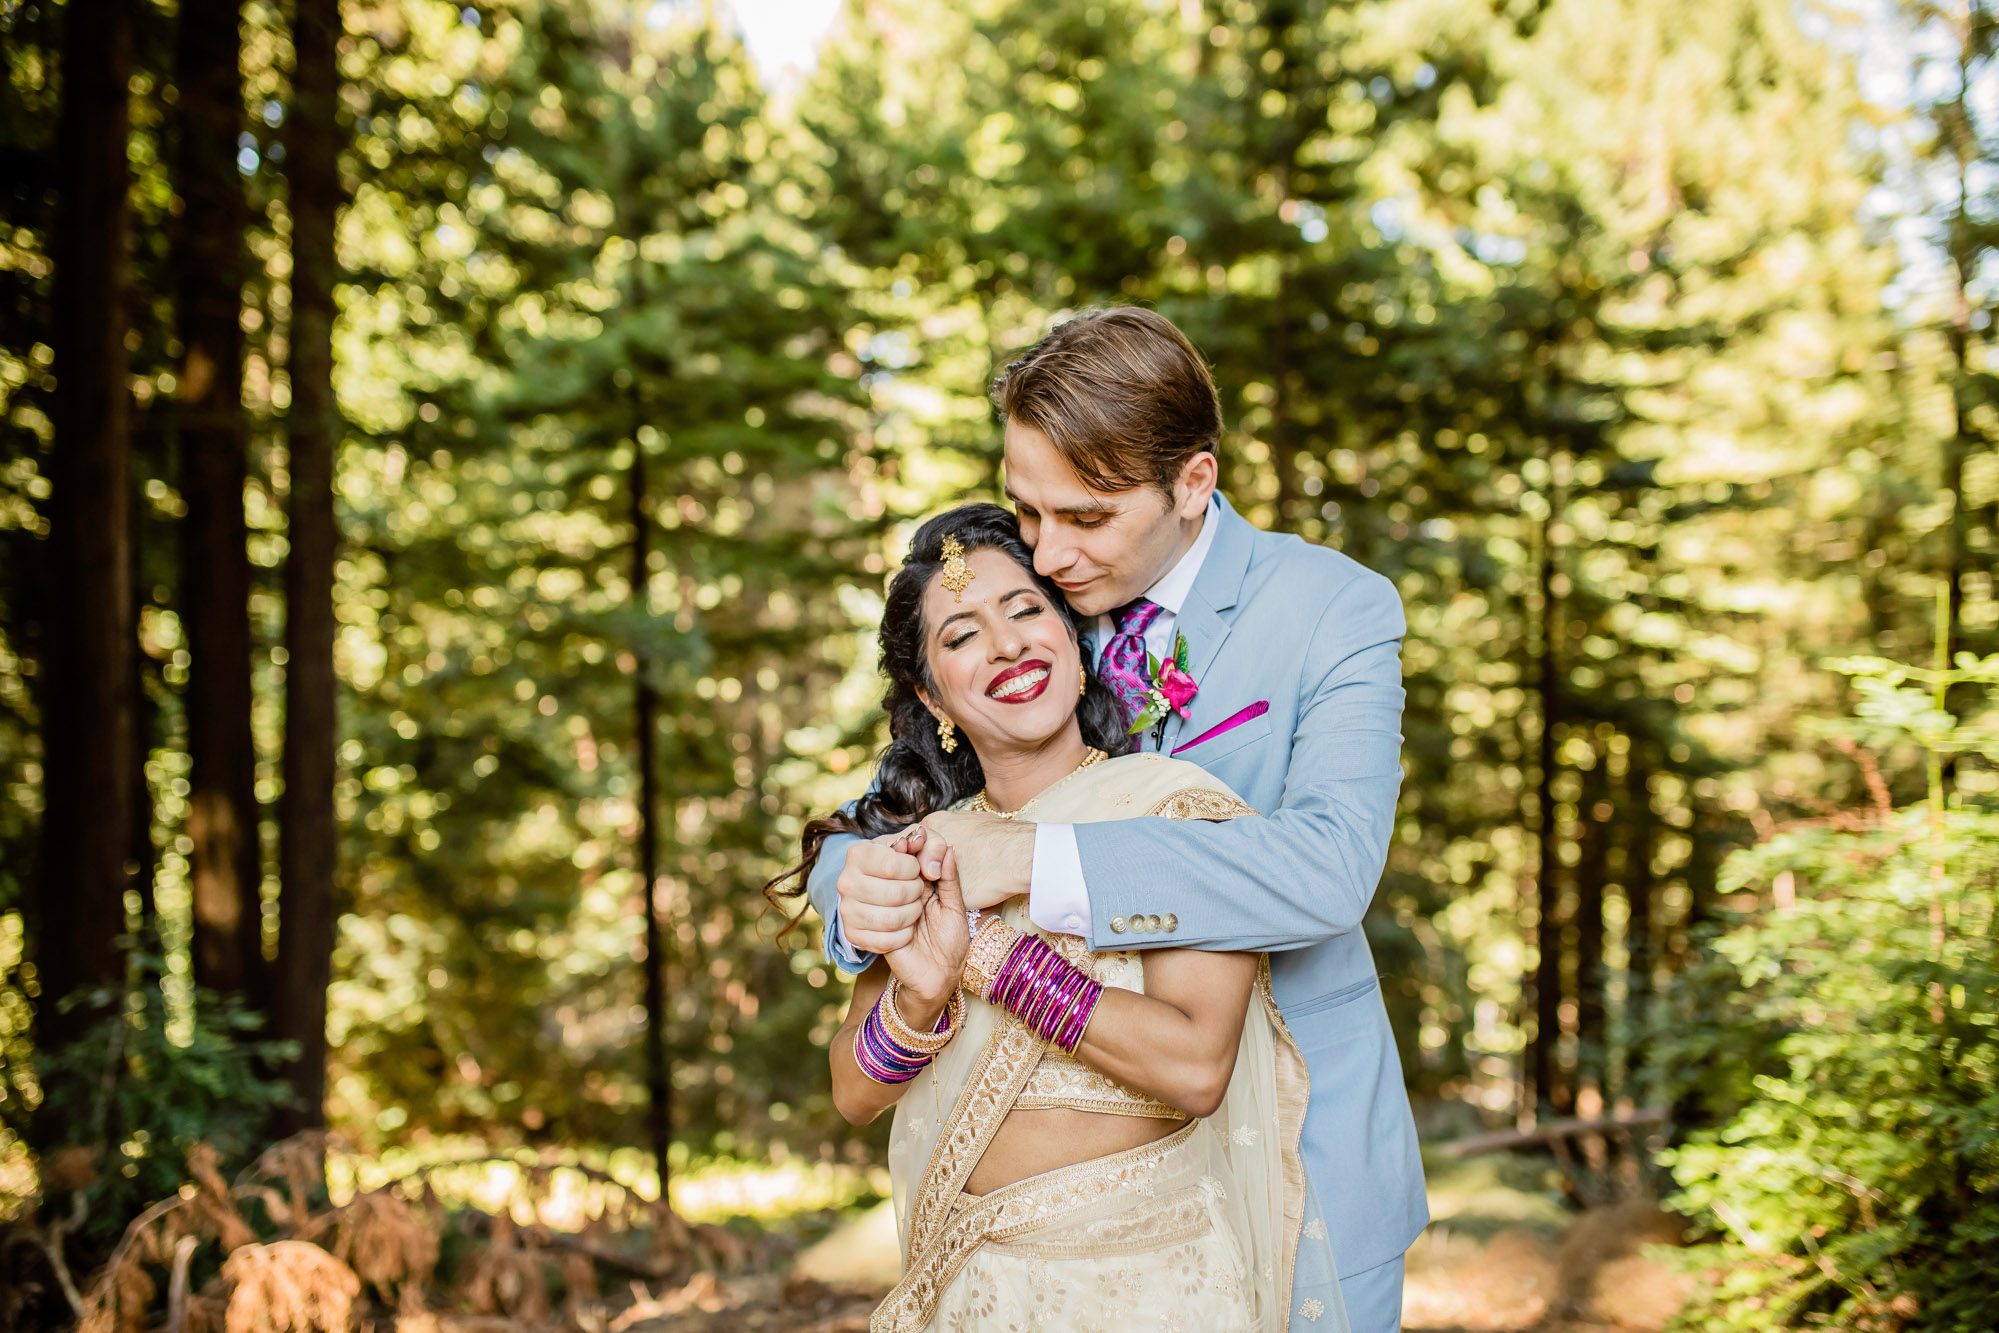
(1647, 346)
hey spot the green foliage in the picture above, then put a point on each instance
(1846, 1047)
(136, 1095)
(620, 319)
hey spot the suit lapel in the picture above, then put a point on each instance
(1208, 616)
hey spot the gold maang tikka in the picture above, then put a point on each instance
(957, 575)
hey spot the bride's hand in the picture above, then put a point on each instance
(932, 963)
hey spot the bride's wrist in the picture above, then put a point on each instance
(919, 1008)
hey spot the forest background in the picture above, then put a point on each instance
(450, 458)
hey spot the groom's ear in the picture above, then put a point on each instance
(1196, 482)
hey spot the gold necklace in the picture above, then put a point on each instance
(985, 807)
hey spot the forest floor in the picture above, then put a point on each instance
(1501, 1255)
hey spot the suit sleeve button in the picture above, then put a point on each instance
(1119, 925)
(1172, 923)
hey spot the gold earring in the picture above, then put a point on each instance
(1082, 681)
(947, 734)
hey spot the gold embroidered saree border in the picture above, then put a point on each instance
(1174, 1220)
(1010, 1211)
(1003, 1068)
(1199, 803)
(1294, 1095)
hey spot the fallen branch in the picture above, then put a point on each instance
(51, 1247)
(475, 1222)
(177, 1292)
(1555, 1131)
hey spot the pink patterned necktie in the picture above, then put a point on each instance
(1124, 667)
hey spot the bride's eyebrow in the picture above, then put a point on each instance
(945, 624)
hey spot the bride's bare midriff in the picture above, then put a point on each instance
(1031, 1142)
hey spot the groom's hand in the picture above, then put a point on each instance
(881, 894)
(995, 856)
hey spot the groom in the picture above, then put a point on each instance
(1293, 653)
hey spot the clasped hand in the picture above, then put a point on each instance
(891, 886)
(932, 960)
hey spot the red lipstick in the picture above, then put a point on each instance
(1025, 693)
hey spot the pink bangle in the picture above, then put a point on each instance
(1079, 1022)
(1050, 996)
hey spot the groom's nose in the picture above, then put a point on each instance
(1053, 553)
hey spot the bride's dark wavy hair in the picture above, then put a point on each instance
(916, 777)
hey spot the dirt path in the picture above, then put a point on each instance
(1496, 1259)
(1501, 1256)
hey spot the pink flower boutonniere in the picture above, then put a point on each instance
(1168, 690)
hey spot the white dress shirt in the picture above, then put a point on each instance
(1057, 899)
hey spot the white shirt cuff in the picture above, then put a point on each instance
(843, 955)
(1057, 899)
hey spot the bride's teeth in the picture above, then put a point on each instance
(1020, 684)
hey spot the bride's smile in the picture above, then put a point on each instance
(1021, 684)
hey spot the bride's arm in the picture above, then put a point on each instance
(1177, 1041)
(931, 966)
(859, 1097)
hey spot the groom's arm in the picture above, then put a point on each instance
(823, 888)
(1308, 871)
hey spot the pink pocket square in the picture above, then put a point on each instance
(1249, 714)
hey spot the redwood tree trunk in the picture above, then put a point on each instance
(1592, 870)
(308, 852)
(87, 700)
(1543, 1064)
(215, 566)
(1638, 898)
(645, 722)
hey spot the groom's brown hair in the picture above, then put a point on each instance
(1121, 394)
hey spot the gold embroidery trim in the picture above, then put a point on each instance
(1060, 1080)
(1294, 1092)
(1011, 1211)
(1200, 803)
(1003, 1067)
(1179, 1217)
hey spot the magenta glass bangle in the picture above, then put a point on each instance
(1061, 994)
(1078, 1018)
(881, 1057)
(1009, 973)
(1025, 966)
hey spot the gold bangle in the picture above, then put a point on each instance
(907, 1037)
(988, 953)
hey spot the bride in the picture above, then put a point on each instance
(1081, 1140)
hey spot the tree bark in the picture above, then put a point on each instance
(143, 858)
(1639, 950)
(1592, 869)
(308, 848)
(1549, 1093)
(87, 702)
(645, 722)
(227, 868)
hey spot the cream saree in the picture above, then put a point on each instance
(1199, 1230)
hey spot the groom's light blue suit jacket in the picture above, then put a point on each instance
(1274, 618)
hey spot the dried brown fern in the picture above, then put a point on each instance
(214, 1200)
(117, 1300)
(391, 1245)
(506, 1277)
(289, 1286)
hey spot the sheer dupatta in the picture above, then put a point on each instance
(1248, 1149)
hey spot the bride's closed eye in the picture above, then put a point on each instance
(1025, 613)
